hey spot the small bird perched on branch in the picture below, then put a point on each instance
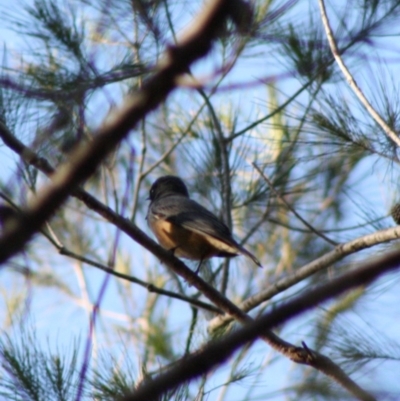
(187, 228)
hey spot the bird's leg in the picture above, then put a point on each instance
(172, 250)
(199, 265)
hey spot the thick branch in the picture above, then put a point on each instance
(218, 351)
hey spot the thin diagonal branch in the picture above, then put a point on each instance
(292, 209)
(270, 115)
(225, 178)
(351, 81)
(150, 287)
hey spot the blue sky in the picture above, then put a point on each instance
(58, 319)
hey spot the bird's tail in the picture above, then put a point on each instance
(245, 252)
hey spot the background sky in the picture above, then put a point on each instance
(60, 319)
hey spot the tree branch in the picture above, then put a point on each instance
(338, 253)
(292, 209)
(351, 81)
(217, 352)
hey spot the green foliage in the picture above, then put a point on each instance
(32, 373)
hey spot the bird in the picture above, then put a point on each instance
(185, 227)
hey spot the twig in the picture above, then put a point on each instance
(283, 200)
(351, 81)
(192, 326)
(89, 83)
(225, 181)
(139, 175)
(168, 152)
(270, 115)
(331, 230)
(150, 287)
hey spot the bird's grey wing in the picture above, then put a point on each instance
(194, 217)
